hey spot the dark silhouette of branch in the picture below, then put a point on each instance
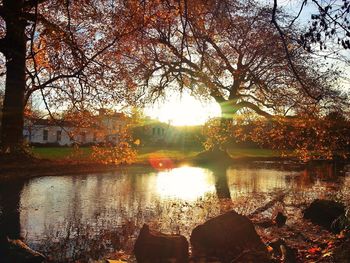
(291, 64)
(32, 3)
(335, 21)
(254, 107)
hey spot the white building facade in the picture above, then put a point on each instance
(106, 130)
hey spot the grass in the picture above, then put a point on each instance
(174, 153)
(255, 152)
(144, 153)
(60, 153)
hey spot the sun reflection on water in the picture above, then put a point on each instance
(185, 183)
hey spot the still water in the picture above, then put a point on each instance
(90, 216)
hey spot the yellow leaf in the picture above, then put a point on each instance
(269, 249)
(328, 254)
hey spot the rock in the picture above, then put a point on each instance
(324, 213)
(153, 247)
(264, 223)
(283, 251)
(228, 237)
(280, 219)
(15, 250)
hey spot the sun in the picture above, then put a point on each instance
(183, 110)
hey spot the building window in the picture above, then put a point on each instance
(158, 131)
(59, 136)
(45, 135)
(154, 131)
(94, 138)
(162, 131)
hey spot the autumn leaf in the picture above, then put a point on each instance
(314, 250)
(328, 254)
(137, 142)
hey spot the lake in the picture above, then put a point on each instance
(93, 215)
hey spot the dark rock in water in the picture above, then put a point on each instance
(228, 237)
(153, 247)
(17, 251)
(324, 213)
(283, 251)
(280, 219)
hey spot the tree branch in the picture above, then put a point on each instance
(255, 108)
(291, 64)
(75, 73)
(3, 48)
(32, 3)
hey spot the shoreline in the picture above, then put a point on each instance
(45, 167)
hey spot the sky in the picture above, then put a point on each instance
(182, 110)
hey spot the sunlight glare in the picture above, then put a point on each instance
(186, 183)
(184, 110)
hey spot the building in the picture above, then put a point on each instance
(104, 128)
(153, 132)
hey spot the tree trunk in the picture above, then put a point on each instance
(227, 110)
(227, 114)
(14, 49)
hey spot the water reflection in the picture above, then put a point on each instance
(186, 183)
(79, 217)
(10, 196)
(256, 180)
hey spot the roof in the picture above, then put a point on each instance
(51, 122)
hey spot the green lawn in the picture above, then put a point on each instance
(144, 153)
(174, 153)
(57, 153)
(241, 152)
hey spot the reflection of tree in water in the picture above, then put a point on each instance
(221, 183)
(100, 215)
(317, 180)
(88, 231)
(222, 187)
(91, 216)
(10, 195)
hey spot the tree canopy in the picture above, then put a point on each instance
(232, 52)
(89, 53)
(67, 51)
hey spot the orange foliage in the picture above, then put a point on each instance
(121, 152)
(305, 137)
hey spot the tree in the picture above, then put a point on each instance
(231, 51)
(63, 50)
(1, 98)
(329, 21)
(327, 34)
